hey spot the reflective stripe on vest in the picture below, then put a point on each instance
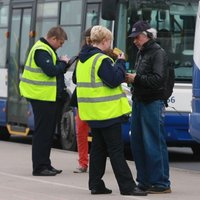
(96, 101)
(34, 83)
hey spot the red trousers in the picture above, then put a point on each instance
(82, 130)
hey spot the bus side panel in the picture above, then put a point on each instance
(126, 130)
(194, 125)
(195, 115)
(176, 126)
(196, 81)
(2, 112)
(30, 118)
(3, 96)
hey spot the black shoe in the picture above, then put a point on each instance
(58, 171)
(135, 192)
(102, 191)
(142, 187)
(44, 172)
(159, 190)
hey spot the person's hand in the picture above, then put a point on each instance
(65, 58)
(121, 56)
(130, 78)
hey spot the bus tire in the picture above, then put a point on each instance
(4, 135)
(196, 150)
(68, 133)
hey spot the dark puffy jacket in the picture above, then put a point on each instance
(151, 69)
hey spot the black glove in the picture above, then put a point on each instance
(72, 60)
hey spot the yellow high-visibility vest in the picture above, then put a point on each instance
(96, 101)
(34, 83)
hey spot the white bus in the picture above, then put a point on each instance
(175, 23)
(195, 115)
(22, 22)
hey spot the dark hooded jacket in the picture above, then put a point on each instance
(111, 76)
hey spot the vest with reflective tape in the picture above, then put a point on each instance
(96, 101)
(35, 84)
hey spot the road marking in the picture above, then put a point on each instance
(19, 194)
(62, 185)
(42, 181)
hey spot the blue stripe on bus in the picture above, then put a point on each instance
(176, 125)
(196, 81)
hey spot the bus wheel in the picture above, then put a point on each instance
(196, 150)
(4, 135)
(68, 133)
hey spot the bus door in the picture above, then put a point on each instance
(20, 39)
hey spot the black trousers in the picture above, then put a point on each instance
(108, 141)
(46, 115)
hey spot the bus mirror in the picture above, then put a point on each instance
(108, 9)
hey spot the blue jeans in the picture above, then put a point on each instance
(148, 144)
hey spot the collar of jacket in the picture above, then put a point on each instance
(45, 41)
(147, 45)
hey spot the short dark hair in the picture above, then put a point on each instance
(57, 32)
(86, 37)
(87, 32)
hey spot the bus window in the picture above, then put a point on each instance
(25, 28)
(47, 16)
(72, 26)
(175, 23)
(14, 50)
(3, 29)
(92, 16)
(182, 17)
(72, 9)
(106, 23)
(19, 44)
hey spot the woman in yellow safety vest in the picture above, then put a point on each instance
(103, 104)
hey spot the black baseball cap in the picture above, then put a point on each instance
(138, 28)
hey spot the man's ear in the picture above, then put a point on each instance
(54, 38)
(103, 41)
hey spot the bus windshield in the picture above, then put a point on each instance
(175, 24)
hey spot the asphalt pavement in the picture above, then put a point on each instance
(17, 182)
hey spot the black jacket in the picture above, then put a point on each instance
(151, 69)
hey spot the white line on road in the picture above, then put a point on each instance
(60, 184)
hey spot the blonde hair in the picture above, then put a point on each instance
(99, 33)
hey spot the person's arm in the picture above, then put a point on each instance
(44, 60)
(111, 75)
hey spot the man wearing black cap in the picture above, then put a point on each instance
(147, 129)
